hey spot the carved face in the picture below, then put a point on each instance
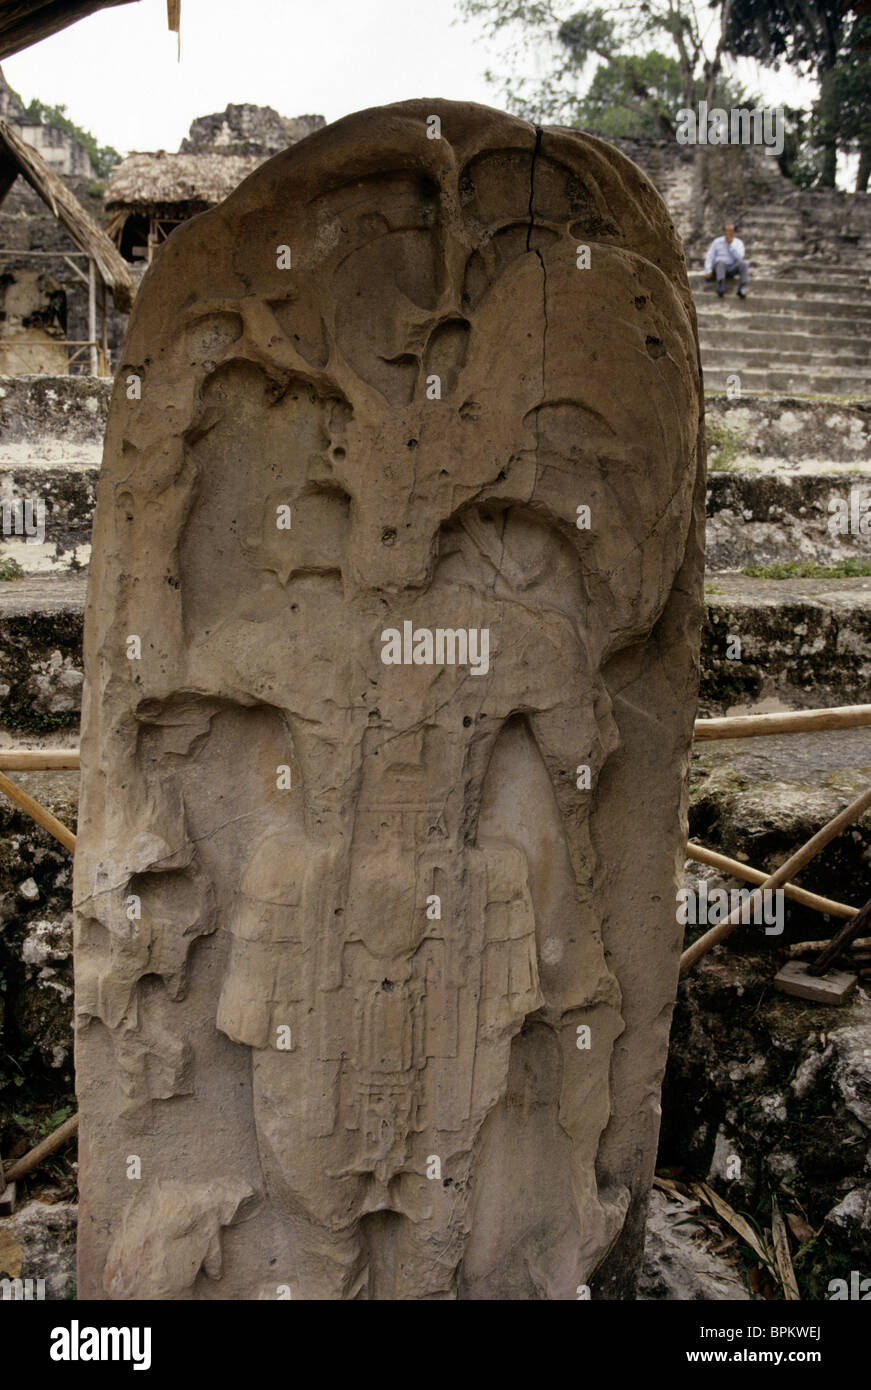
(431, 353)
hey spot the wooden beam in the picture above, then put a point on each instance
(22, 1166)
(739, 870)
(92, 314)
(839, 943)
(39, 759)
(38, 813)
(793, 865)
(790, 722)
(75, 268)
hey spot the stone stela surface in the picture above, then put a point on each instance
(392, 655)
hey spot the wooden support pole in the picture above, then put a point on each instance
(793, 865)
(739, 870)
(38, 813)
(104, 339)
(839, 943)
(790, 722)
(31, 1160)
(39, 759)
(92, 313)
(73, 267)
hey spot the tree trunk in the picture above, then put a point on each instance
(830, 165)
(828, 111)
(864, 170)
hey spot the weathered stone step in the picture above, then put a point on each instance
(39, 414)
(856, 311)
(787, 434)
(765, 519)
(55, 502)
(730, 314)
(802, 288)
(801, 382)
(756, 383)
(801, 642)
(743, 334)
(748, 354)
(808, 268)
(41, 653)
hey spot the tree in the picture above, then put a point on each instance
(851, 92)
(633, 97)
(103, 157)
(822, 37)
(645, 85)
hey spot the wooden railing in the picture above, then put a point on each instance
(87, 354)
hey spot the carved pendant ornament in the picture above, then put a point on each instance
(391, 650)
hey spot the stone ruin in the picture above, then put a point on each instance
(391, 654)
(242, 128)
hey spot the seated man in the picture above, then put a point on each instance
(726, 257)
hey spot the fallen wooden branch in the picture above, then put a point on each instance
(31, 1160)
(38, 813)
(739, 870)
(782, 875)
(813, 948)
(790, 722)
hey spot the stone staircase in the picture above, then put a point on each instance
(793, 333)
(805, 326)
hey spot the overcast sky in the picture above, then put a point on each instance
(118, 76)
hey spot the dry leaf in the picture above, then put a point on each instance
(736, 1221)
(799, 1227)
(10, 1255)
(781, 1250)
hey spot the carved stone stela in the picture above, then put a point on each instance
(391, 649)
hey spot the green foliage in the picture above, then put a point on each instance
(632, 97)
(802, 33)
(791, 569)
(53, 1121)
(800, 160)
(103, 157)
(13, 1070)
(623, 72)
(824, 38)
(723, 447)
(10, 568)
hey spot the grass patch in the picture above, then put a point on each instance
(792, 569)
(723, 447)
(10, 569)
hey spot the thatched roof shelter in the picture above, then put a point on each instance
(31, 20)
(148, 194)
(18, 158)
(181, 184)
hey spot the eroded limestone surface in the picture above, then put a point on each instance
(391, 650)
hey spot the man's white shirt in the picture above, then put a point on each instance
(722, 250)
